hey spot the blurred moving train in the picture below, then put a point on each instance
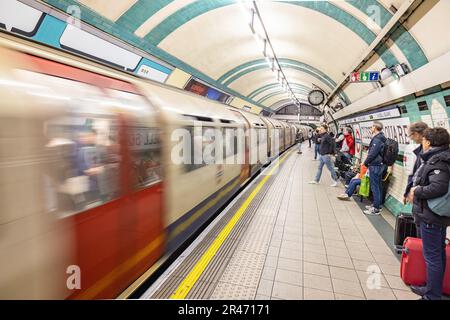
(89, 195)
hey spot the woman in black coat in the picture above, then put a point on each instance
(431, 181)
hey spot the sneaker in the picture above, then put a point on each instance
(343, 196)
(419, 290)
(371, 206)
(372, 212)
(313, 182)
(334, 184)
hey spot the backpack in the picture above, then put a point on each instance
(441, 205)
(390, 152)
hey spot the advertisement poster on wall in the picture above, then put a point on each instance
(396, 129)
(358, 141)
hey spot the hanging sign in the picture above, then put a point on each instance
(365, 76)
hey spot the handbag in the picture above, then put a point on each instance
(441, 205)
(364, 188)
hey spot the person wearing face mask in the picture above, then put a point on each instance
(431, 181)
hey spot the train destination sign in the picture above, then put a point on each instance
(365, 76)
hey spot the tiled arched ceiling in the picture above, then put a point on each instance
(316, 41)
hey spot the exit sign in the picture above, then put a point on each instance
(365, 76)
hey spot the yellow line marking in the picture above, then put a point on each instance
(188, 283)
(183, 226)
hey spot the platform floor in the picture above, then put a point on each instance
(293, 241)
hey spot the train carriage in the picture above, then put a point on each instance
(89, 176)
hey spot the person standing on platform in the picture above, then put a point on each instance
(415, 133)
(310, 135)
(431, 181)
(316, 140)
(326, 151)
(374, 162)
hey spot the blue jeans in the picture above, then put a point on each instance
(316, 150)
(348, 157)
(352, 186)
(326, 160)
(375, 173)
(433, 239)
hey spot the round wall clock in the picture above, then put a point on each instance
(316, 97)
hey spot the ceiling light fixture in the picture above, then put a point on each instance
(259, 31)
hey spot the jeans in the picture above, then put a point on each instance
(349, 175)
(300, 147)
(375, 174)
(316, 150)
(352, 186)
(325, 160)
(309, 140)
(348, 157)
(433, 239)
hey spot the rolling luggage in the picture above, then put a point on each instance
(413, 269)
(404, 227)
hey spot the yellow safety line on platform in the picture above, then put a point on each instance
(190, 280)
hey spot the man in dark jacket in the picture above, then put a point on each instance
(374, 162)
(316, 140)
(310, 136)
(431, 181)
(416, 131)
(326, 150)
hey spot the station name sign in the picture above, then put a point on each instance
(365, 76)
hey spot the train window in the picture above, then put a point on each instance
(143, 139)
(145, 146)
(230, 146)
(199, 141)
(86, 170)
(82, 150)
(262, 135)
(447, 100)
(423, 106)
(198, 118)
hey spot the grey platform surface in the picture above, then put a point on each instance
(295, 241)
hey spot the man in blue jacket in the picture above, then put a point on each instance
(374, 162)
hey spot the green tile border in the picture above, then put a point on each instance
(90, 17)
(140, 12)
(401, 37)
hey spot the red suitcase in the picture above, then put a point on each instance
(413, 269)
